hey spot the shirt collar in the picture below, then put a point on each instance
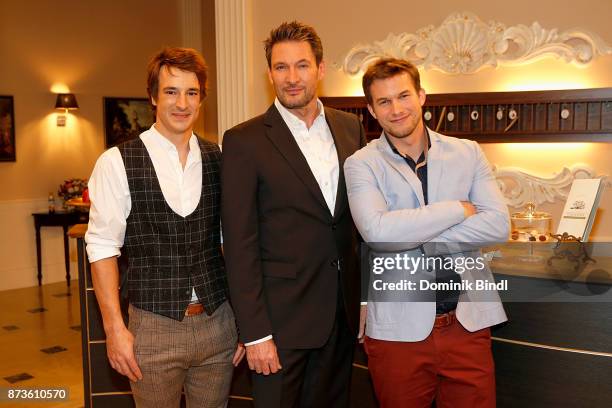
(423, 154)
(291, 119)
(194, 147)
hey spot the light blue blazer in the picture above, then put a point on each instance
(387, 205)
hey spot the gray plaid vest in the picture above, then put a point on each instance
(168, 254)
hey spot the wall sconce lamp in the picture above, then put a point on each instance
(66, 101)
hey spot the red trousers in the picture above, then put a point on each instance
(452, 366)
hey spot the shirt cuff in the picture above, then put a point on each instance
(364, 303)
(98, 252)
(252, 343)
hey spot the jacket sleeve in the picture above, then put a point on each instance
(378, 224)
(239, 214)
(491, 223)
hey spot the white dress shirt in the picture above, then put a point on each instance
(318, 147)
(110, 193)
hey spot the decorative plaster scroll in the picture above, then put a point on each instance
(463, 44)
(520, 187)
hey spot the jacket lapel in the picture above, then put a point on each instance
(279, 134)
(402, 168)
(342, 150)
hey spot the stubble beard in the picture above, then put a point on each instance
(306, 98)
(402, 133)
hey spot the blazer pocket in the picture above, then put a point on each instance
(283, 270)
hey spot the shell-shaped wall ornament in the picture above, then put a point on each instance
(458, 44)
(464, 44)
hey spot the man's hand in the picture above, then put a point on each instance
(263, 358)
(363, 313)
(468, 209)
(120, 351)
(238, 355)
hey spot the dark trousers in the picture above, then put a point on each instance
(311, 378)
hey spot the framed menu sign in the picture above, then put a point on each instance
(580, 208)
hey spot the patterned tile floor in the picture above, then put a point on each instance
(39, 346)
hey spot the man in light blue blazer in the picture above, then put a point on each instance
(416, 186)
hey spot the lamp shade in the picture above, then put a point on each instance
(66, 101)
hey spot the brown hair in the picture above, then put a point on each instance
(387, 68)
(186, 59)
(294, 31)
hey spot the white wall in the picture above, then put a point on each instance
(93, 49)
(18, 249)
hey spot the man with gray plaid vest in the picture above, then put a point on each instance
(157, 197)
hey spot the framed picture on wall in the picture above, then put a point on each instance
(7, 129)
(125, 119)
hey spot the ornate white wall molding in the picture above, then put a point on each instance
(520, 187)
(464, 44)
(232, 85)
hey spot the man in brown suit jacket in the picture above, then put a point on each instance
(289, 239)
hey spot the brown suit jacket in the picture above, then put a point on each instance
(282, 245)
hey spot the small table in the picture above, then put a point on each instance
(56, 219)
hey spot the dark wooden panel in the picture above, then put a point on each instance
(576, 325)
(432, 120)
(126, 401)
(452, 126)
(580, 116)
(88, 282)
(500, 124)
(464, 118)
(514, 125)
(606, 115)
(594, 116)
(103, 377)
(539, 117)
(362, 390)
(114, 401)
(535, 377)
(553, 117)
(96, 329)
(239, 403)
(83, 265)
(489, 118)
(475, 125)
(526, 117)
(241, 382)
(566, 124)
(439, 117)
